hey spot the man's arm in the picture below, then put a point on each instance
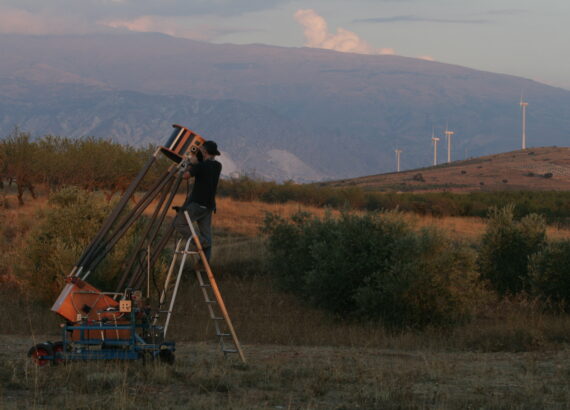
(194, 167)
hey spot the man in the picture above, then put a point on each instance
(202, 200)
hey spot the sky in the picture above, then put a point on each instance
(527, 38)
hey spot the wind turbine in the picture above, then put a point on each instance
(434, 140)
(398, 152)
(523, 105)
(448, 135)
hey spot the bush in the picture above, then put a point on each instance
(374, 267)
(57, 241)
(244, 188)
(549, 273)
(419, 177)
(506, 247)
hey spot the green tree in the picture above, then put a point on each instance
(549, 274)
(506, 247)
(22, 162)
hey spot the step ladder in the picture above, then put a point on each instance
(223, 326)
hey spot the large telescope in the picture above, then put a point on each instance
(69, 304)
(128, 323)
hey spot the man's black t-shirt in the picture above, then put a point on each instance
(207, 175)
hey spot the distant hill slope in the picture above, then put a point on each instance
(253, 138)
(536, 169)
(282, 113)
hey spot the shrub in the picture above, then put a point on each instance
(506, 247)
(245, 188)
(549, 273)
(419, 177)
(374, 266)
(56, 242)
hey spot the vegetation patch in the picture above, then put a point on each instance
(549, 274)
(373, 266)
(506, 248)
(56, 242)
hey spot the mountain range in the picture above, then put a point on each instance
(280, 113)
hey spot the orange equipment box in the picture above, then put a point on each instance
(80, 300)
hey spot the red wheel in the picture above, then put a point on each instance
(39, 352)
(58, 348)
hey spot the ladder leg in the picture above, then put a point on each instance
(167, 280)
(180, 270)
(214, 286)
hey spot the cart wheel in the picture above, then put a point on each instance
(38, 352)
(166, 356)
(58, 348)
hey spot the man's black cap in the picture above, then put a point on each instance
(211, 147)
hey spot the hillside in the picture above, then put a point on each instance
(281, 113)
(536, 169)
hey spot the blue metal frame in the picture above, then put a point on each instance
(132, 348)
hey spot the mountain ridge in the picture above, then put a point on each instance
(340, 114)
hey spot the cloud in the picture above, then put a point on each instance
(154, 24)
(17, 21)
(172, 26)
(317, 36)
(44, 22)
(416, 19)
(427, 58)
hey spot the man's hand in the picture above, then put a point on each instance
(186, 175)
(193, 159)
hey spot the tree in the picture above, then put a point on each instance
(21, 162)
(506, 247)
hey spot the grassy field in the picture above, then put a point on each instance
(291, 377)
(512, 355)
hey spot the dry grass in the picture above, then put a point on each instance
(511, 356)
(280, 377)
(245, 218)
(472, 228)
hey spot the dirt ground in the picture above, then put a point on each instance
(283, 377)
